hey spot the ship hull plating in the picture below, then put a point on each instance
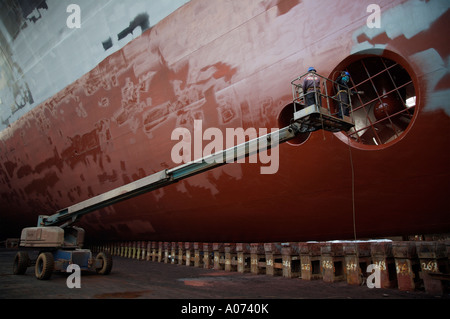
(230, 64)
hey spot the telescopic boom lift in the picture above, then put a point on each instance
(59, 244)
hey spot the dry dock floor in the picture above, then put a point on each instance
(152, 280)
(133, 279)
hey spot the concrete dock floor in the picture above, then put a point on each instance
(133, 279)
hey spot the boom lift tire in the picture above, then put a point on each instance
(45, 265)
(21, 263)
(107, 263)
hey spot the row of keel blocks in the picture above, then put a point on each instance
(406, 265)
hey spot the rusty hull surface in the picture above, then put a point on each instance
(230, 64)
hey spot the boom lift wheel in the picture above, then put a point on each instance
(21, 263)
(45, 265)
(106, 259)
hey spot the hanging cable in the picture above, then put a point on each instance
(353, 188)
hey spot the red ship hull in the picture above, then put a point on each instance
(230, 65)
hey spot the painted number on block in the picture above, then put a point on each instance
(430, 266)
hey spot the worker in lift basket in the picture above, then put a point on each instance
(342, 94)
(311, 88)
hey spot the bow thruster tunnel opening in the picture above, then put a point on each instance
(383, 100)
(285, 119)
(385, 110)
